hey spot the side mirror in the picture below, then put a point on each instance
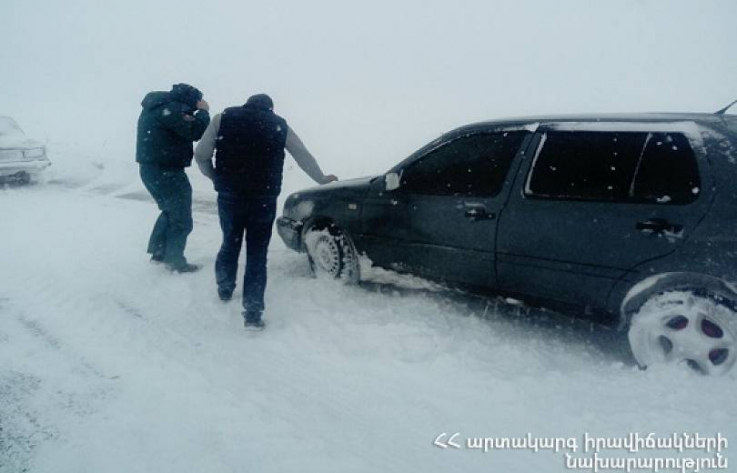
(392, 181)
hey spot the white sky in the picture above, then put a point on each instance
(363, 83)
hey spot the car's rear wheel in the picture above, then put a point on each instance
(24, 178)
(688, 328)
(331, 253)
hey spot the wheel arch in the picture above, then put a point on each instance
(315, 221)
(640, 292)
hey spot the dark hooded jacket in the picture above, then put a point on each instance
(168, 125)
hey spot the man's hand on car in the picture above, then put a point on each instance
(330, 178)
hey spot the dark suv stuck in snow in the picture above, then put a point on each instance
(631, 219)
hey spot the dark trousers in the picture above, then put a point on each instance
(172, 192)
(254, 216)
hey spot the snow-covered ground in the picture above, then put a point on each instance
(111, 364)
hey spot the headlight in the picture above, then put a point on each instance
(301, 210)
(35, 153)
(297, 207)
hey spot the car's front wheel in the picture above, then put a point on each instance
(331, 253)
(689, 328)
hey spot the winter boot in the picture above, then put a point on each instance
(256, 326)
(252, 320)
(224, 294)
(185, 268)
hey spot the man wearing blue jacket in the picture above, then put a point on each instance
(169, 123)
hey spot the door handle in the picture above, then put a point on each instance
(658, 225)
(478, 212)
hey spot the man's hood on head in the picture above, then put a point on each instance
(186, 94)
(155, 99)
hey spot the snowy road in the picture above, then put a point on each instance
(109, 363)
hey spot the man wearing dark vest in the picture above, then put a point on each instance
(249, 143)
(169, 123)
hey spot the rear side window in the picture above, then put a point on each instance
(472, 165)
(668, 172)
(586, 165)
(615, 167)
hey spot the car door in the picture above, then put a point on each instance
(383, 235)
(595, 204)
(452, 196)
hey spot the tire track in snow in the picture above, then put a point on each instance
(175, 344)
(265, 381)
(20, 429)
(33, 411)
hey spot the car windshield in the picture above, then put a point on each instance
(8, 127)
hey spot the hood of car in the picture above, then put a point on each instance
(349, 186)
(18, 142)
(301, 204)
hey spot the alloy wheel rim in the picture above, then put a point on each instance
(687, 331)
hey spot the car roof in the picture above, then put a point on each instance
(531, 123)
(609, 117)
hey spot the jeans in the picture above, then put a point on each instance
(254, 216)
(172, 192)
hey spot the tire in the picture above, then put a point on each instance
(691, 328)
(331, 254)
(21, 178)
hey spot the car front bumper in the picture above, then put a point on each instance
(291, 232)
(11, 168)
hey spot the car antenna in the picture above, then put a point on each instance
(724, 110)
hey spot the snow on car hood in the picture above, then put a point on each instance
(338, 185)
(355, 182)
(18, 142)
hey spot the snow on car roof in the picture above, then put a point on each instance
(601, 122)
(623, 126)
(611, 117)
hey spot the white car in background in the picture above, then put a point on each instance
(21, 158)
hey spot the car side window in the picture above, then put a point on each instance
(472, 165)
(576, 165)
(615, 167)
(668, 172)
